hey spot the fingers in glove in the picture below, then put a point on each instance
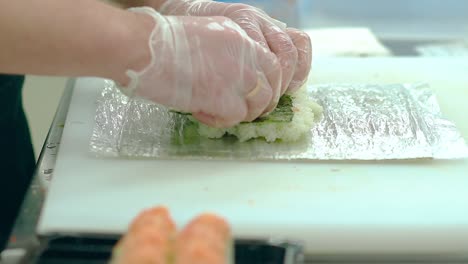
(304, 47)
(250, 24)
(259, 98)
(271, 75)
(235, 116)
(281, 44)
(227, 106)
(266, 31)
(270, 33)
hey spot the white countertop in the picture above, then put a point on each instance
(413, 207)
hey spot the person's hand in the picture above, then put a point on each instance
(210, 67)
(292, 47)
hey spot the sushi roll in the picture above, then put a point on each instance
(149, 239)
(293, 117)
(205, 240)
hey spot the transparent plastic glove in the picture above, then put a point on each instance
(292, 47)
(304, 49)
(207, 66)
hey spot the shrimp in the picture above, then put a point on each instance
(152, 239)
(149, 239)
(205, 240)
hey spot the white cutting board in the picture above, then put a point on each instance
(335, 207)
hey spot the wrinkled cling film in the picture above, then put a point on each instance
(359, 122)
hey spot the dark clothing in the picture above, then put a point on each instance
(17, 161)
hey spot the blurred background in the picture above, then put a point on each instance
(406, 27)
(388, 19)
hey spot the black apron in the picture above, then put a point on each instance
(17, 161)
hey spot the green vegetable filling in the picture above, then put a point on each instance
(283, 113)
(185, 131)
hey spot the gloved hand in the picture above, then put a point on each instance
(207, 66)
(292, 47)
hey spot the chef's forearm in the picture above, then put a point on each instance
(72, 38)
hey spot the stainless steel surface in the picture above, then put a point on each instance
(23, 235)
(46, 162)
(387, 259)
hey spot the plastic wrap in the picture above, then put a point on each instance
(360, 122)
